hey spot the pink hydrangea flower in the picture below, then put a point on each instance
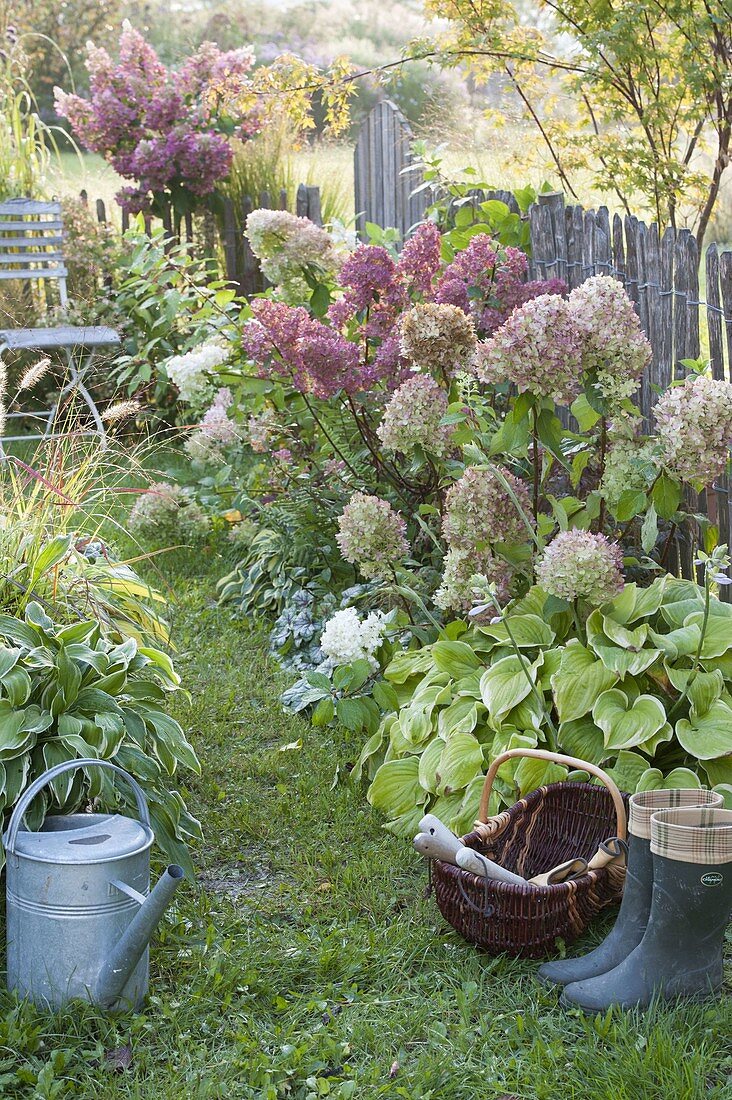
(419, 261)
(479, 512)
(613, 342)
(694, 427)
(413, 418)
(539, 349)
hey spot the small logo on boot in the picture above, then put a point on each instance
(712, 878)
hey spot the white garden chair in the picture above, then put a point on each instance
(31, 249)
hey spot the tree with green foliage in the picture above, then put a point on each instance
(650, 83)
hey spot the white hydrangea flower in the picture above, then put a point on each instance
(346, 638)
(190, 372)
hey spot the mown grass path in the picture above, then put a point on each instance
(307, 963)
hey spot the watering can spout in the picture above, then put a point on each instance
(123, 959)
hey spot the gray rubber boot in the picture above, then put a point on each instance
(680, 954)
(630, 926)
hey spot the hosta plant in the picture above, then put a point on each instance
(643, 688)
(68, 692)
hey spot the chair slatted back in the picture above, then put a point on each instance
(31, 242)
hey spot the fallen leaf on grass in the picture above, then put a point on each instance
(292, 745)
(119, 1059)
(394, 1070)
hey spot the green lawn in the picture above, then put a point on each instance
(307, 963)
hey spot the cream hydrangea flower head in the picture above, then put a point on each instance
(581, 565)
(694, 427)
(371, 535)
(438, 338)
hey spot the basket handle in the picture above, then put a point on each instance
(555, 758)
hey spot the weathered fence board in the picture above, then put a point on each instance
(384, 173)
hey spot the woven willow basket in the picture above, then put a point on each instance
(551, 824)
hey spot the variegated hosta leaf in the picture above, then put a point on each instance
(506, 683)
(461, 761)
(526, 631)
(581, 679)
(708, 736)
(396, 789)
(626, 723)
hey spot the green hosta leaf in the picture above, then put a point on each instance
(415, 725)
(17, 686)
(578, 683)
(20, 633)
(582, 738)
(682, 642)
(407, 663)
(461, 761)
(717, 634)
(708, 736)
(725, 789)
(651, 780)
(719, 771)
(8, 659)
(681, 779)
(528, 715)
(666, 496)
(15, 736)
(396, 789)
(460, 717)
(457, 659)
(429, 762)
(628, 770)
(665, 733)
(704, 690)
(56, 752)
(625, 662)
(635, 603)
(448, 808)
(527, 630)
(624, 636)
(505, 684)
(371, 749)
(625, 723)
(406, 825)
(531, 774)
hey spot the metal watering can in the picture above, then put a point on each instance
(79, 915)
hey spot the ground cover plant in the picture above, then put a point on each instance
(306, 961)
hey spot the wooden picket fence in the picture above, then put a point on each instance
(239, 262)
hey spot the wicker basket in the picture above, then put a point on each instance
(551, 824)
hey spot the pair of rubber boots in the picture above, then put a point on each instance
(667, 940)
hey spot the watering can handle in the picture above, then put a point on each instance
(38, 784)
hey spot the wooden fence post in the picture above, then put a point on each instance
(384, 173)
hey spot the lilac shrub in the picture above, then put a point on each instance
(164, 129)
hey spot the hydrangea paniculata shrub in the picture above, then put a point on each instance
(287, 246)
(165, 515)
